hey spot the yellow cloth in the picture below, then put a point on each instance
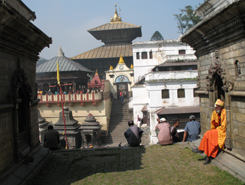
(219, 123)
(58, 73)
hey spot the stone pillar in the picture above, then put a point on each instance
(228, 140)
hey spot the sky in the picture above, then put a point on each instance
(67, 22)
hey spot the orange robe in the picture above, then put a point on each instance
(215, 138)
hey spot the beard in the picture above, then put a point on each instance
(218, 111)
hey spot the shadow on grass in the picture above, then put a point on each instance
(69, 166)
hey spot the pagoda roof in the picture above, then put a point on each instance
(116, 31)
(114, 26)
(65, 64)
(107, 51)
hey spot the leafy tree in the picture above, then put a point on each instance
(157, 36)
(186, 19)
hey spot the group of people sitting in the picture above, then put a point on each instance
(211, 143)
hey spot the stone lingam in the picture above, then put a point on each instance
(72, 129)
(91, 132)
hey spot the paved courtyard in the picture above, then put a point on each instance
(173, 164)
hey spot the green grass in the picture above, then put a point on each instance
(173, 164)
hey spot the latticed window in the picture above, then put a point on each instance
(181, 52)
(194, 92)
(238, 68)
(165, 93)
(144, 55)
(137, 55)
(181, 93)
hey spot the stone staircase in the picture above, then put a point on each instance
(118, 123)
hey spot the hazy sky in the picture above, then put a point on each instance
(67, 21)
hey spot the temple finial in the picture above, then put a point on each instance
(111, 67)
(121, 61)
(60, 53)
(116, 18)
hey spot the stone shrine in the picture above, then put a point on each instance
(72, 129)
(91, 131)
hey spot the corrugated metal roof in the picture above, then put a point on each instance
(114, 26)
(65, 64)
(178, 110)
(107, 51)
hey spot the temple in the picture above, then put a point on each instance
(117, 37)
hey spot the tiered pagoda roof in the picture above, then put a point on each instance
(116, 35)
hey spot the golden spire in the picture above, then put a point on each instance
(111, 67)
(96, 72)
(116, 18)
(131, 66)
(121, 61)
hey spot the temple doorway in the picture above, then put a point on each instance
(218, 91)
(122, 87)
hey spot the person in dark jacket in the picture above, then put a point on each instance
(133, 134)
(51, 139)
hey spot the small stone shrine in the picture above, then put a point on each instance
(43, 126)
(91, 132)
(72, 129)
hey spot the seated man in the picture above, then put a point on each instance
(174, 131)
(51, 139)
(193, 129)
(164, 134)
(214, 139)
(133, 134)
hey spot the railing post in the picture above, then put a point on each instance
(41, 96)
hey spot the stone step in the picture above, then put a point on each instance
(118, 123)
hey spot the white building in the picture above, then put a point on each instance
(165, 79)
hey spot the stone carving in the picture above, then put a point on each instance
(19, 80)
(198, 82)
(209, 82)
(216, 68)
(210, 78)
(231, 84)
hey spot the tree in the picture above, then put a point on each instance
(186, 19)
(157, 36)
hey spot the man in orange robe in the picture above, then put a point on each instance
(214, 139)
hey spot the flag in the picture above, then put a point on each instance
(58, 73)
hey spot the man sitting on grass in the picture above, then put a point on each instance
(133, 134)
(164, 135)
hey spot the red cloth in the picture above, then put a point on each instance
(209, 143)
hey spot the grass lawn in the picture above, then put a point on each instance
(173, 164)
